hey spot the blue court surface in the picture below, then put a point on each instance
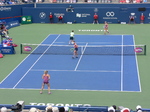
(87, 72)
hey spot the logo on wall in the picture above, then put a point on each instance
(82, 15)
(110, 15)
(5, 8)
(42, 15)
(59, 14)
(78, 15)
(96, 10)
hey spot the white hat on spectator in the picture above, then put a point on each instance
(3, 109)
(125, 110)
(48, 107)
(33, 109)
(66, 109)
(111, 109)
(138, 107)
(55, 109)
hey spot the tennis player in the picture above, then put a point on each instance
(106, 28)
(75, 52)
(46, 78)
(71, 37)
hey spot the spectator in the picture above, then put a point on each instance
(51, 17)
(33, 109)
(125, 110)
(55, 109)
(49, 108)
(138, 108)
(3, 28)
(61, 109)
(111, 109)
(142, 17)
(70, 9)
(4, 31)
(3, 109)
(95, 18)
(66, 109)
(132, 18)
(60, 19)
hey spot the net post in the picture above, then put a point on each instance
(21, 48)
(144, 49)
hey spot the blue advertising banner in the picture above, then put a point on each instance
(12, 24)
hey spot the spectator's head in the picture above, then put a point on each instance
(49, 108)
(114, 106)
(125, 110)
(55, 109)
(33, 109)
(3, 109)
(138, 108)
(61, 109)
(120, 108)
(66, 109)
(111, 109)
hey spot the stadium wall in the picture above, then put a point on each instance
(83, 13)
(12, 12)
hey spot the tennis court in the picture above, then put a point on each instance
(92, 72)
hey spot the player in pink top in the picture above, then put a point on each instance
(75, 53)
(106, 28)
(46, 78)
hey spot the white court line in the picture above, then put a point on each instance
(69, 90)
(137, 66)
(122, 65)
(80, 58)
(94, 42)
(35, 62)
(19, 64)
(75, 71)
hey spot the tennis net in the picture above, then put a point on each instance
(83, 49)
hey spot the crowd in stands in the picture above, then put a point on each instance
(113, 108)
(15, 2)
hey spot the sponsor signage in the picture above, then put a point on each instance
(26, 19)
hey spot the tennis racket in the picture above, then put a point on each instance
(72, 49)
